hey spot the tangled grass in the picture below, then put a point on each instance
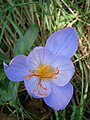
(16, 17)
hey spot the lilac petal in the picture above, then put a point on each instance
(66, 70)
(39, 47)
(39, 56)
(35, 90)
(59, 97)
(63, 42)
(17, 69)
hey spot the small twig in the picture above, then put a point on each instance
(81, 58)
(74, 13)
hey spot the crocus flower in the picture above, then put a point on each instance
(47, 71)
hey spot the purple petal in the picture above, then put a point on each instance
(39, 56)
(39, 47)
(63, 42)
(66, 70)
(59, 97)
(17, 69)
(37, 88)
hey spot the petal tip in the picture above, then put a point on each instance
(60, 97)
(63, 42)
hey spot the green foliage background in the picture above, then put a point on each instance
(25, 24)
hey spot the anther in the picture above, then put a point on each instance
(40, 76)
(37, 89)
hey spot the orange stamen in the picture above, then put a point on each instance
(40, 76)
(39, 84)
(36, 89)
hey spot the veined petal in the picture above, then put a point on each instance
(17, 69)
(37, 88)
(39, 56)
(63, 42)
(66, 70)
(59, 96)
(39, 47)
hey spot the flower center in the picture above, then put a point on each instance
(43, 72)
